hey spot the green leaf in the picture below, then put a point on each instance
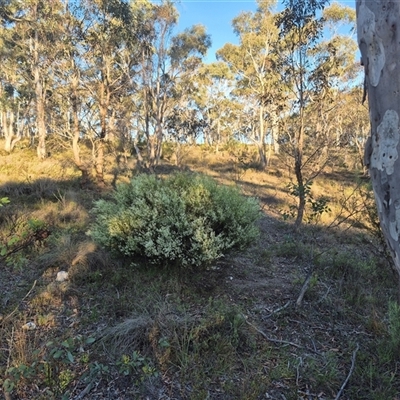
(8, 385)
(4, 200)
(70, 357)
(57, 354)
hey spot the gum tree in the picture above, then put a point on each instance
(166, 71)
(253, 63)
(379, 43)
(113, 30)
(30, 31)
(313, 69)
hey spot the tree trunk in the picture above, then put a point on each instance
(275, 133)
(7, 123)
(298, 170)
(261, 139)
(76, 134)
(301, 191)
(99, 164)
(140, 161)
(378, 32)
(40, 102)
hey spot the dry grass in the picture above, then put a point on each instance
(233, 332)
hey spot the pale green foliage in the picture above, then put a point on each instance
(3, 201)
(185, 220)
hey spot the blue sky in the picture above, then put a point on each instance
(216, 16)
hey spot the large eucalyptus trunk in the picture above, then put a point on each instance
(378, 31)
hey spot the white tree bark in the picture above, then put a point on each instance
(378, 31)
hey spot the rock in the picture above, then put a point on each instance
(62, 276)
(29, 326)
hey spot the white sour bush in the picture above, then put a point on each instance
(186, 220)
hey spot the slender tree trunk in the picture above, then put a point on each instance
(104, 105)
(99, 164)
(378, 32)
(152, 150)
(76, 134)
(6, 131)
(298, 170)
(7, 123)
(298, 153)
(260, 144)
(7, 126)
(274, 133)
(158, 139)
(140, 161)
(218, 139)
(40, 102)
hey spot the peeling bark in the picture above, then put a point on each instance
(379, 42)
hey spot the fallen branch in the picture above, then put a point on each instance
(271, 339)
(304, 289)
(278, 341)
(84, 392)
(278, 310)
(353, 364)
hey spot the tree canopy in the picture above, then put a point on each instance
(117, 75)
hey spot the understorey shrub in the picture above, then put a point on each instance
(185, 220)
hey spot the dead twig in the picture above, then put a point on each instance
(278, 310)
(353, 364)
(278, 341)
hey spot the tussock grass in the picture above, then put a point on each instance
(131, 334)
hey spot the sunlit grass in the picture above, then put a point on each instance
(194, 336)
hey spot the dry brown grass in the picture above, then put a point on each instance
(194, 331)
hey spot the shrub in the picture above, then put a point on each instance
(186, 220)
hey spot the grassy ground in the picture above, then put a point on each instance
(244, 329)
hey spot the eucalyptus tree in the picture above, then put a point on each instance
(313, 69)
(112, 29)
(8, 93)
(166, 69)
(9, 112)
(31, 30)
(184, 126)
(101, 43)
(219, 109)
(96, 76)
(254, 64)
(378, 40)
(69, 94)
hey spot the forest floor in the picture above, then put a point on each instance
(308, 314)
